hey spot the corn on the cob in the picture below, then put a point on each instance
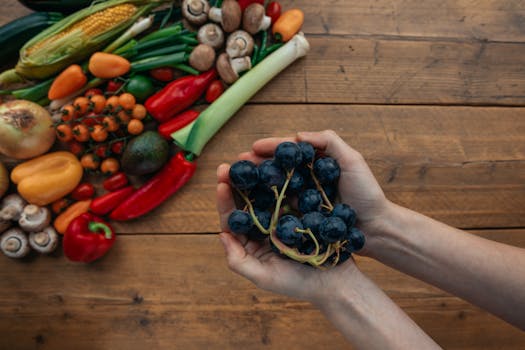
(77, 36)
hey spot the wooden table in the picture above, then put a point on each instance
(431, 92)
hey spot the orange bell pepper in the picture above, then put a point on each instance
(69, 81)
(45, 179)
(73, 211)
(288, 24)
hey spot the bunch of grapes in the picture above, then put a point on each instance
(290, 199)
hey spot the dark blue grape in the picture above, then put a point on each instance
(313, 221)
(296, 183)
(307, 247)
(307, 152)
(309, 200)
(345, 212)
(288, 155)
(270, 174)
(244, 175)
(263, 197)
(331, 191)
(343, 256)
(356, 239)
(240, 222)
(264, 218)
(333, 229)
(286, 230)
(307, 177)
(326, 170)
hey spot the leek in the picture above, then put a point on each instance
(194, 137)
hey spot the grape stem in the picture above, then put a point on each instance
(320, 189)
(275, 216)
(252, 213)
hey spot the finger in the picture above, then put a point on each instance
(225, 204)
(329, 142)
(265, 147)
(239, 260)
(223, 171)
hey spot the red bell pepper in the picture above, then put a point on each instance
(178, 95)
(87, 238)
(245, 3)
(165, 183)
(178, 122)
(115, 182)
(109, 201)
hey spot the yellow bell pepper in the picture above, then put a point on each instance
(45, 179)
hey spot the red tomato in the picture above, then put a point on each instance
(76, 148)
(101, 151)
(117, 147)
(92, 119)
(245, 3)
(214, 91)
(163, 74)
(115, 182)
(93, 92)
(273, 11)
(113, 86)
(83, 191)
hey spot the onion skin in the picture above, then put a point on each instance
(26, 129)
(4, 179)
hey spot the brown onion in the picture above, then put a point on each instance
(26, 129)
(4, 180)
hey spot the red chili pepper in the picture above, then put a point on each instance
(245, 3)
(273, 11)
(178, 122)
(115, 182)
(87, 238)
(169, 180)
(214, 91)
(109, 201)
(83, 191)
(178, 95)
(164, 74)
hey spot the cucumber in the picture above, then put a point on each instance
(16, 33)
(62, 6)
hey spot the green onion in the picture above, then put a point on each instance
(185, 68)
(32, 93)
(174, 29)
(163, 51)
(159, 61)
(220, 111)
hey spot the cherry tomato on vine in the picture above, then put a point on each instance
(117, 147)
(83, 191)
(101, 151)
(214, 91)
(64, 132)
(92, 92)
(164, 74)
(109, 166)
(273, 11)
(113, 86)
(76, 148)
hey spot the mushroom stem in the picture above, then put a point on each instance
(41, 238)
(241, 64)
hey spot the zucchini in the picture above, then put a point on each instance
(62, 6)
(16, 33)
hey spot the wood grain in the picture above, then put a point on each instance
(464, 166)
(176, 292)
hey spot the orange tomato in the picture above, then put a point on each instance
(127, 101)
(109, 166)
(81, 133)
(99, 133)
(89, 161)
(64, 132)
(135, 127)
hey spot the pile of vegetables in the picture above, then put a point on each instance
(128, 92)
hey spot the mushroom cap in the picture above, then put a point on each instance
(14, 243)
(44, 241)
(34, 218)
(253, 18)
(211, 34)
(231, 15)
(225, 69)
(202, 57)
(239, 44)
(195, 11)
(12, 206)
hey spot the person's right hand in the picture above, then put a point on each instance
(357, 185)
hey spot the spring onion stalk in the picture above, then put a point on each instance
(220, 111)
(164, 51)
(185, 68)
(32, 93)
(174, 29)
(159, 61)
(138, 27)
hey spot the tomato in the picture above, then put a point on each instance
(81, 133)
(92, 119)
(92, 92)
(164, 74)
(68, 113)
(89, 161)
(117, 147)
(64, 132)
(76, 148)
(113, 86)
(83, 191)
(140, 86)
(109, 166)
(101, 151)
(214, 91)
(273, 11)
(99, 133)
(81, 104)
(115, 182)
(127, 101)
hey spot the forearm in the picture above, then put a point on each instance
(485, 273)
(368, 318)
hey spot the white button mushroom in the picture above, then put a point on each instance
(195, 11)
(254, 19)
(11, 207)
(229, 68)
(239, 44)
(229, 15)
(34, 218)
(14, 244)
(202, 57)
(45, 241)
(211, 34)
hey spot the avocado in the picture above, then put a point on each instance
(145, 154)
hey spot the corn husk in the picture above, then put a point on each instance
(79, 35)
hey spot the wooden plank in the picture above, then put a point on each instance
(464, 166)
(175, 291)
(492, 20)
